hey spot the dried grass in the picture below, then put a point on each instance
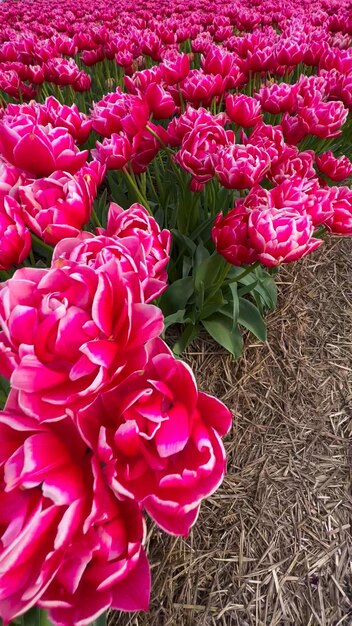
(273, 546)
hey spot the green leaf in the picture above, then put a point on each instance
(177, 295)
(159, 216)
(200, 254)
(208, 271)
(250, 318)
(189, 333)
(221, 329)
(185, 242)
(200, 296)
(213, 305)
(235, 303)
(175, 318)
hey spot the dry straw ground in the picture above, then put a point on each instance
(273, 546)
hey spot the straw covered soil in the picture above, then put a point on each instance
(273, 546)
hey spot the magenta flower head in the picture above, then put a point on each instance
(175, 68)
(340, 222)
(241, 167)
(199, 88)
(294, 128)
(114, 152)
(61, 71)
(292, 163)
(39, 149)
(119, 111)
(82, 83)
(45, 501)
(146, 145)
(231, 239)
(133, 239)
(15, 238)
(10, 178)
(69, 117)
(140, 81)
(335, 168)
(324, 119)
(161, 103)
(281, 235)
(61, 525)
(159, 439)
(277, 98)
(56, 207)
(198, 153)
(135, 222)
(78, 328)
(243, 110)
(179, 127)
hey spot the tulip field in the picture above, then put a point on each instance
(161, 163)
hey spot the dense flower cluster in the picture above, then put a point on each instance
(228, 124)
(101, 422)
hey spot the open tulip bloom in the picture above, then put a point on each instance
(159, 162)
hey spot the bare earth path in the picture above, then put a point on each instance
(273, 546)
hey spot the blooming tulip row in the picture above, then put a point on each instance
(158, 164)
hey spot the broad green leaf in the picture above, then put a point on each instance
(183, 241)
(175, 318)
(248, 288)
(189, 333)
(221, 329)
(250, 318)
(208, 271)
(212, 305)
(177, 295)
(200, 254)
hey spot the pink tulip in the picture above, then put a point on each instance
(179, 127)
(199, 88)
(45, 500)
(175, 68)
(160, 102)
(243, 110)
(82, 82)
(15, 238)
(281, 235)
(269, 139)
(230, 236)
(77, 329)
(294, 129)
(39, 149)
(324, 119)
(61, 71)
(57, 206)
(63, 533)
(135, 243)
(340, 223)
(292, 163)
(69, 117)
(119, 111)
(146, 145)
(277, 98)
(337, 169)
(114, 152)
(241, 167)
(136, 222)
(140, 81)
(159, 439)
(199, 149)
